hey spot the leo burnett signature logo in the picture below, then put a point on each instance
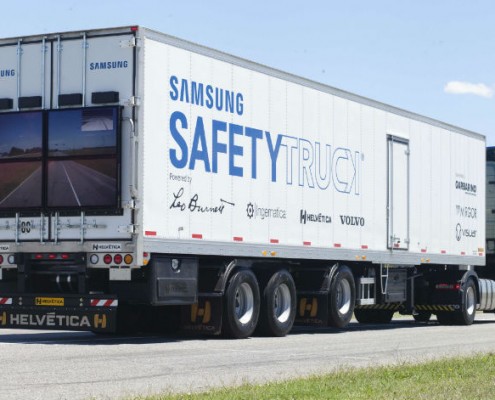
(253, 211)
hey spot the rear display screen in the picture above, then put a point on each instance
(21, 137)
(60, 159)
(82, 158)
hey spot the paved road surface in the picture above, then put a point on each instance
(73, 184)
(73, 365)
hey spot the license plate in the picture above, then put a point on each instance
(49, 301)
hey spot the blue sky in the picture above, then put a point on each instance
(435, 58)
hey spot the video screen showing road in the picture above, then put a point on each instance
(82, 162)
(20, 173)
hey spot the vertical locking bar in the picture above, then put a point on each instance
(55, 228)
(43, 56)
(82, 228)
(19, 54)
(17, 228)
(42, 227)
(59, 63)
(84, 49)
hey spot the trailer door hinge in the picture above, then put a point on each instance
(133, 101)
(131, 228)
(131, 204)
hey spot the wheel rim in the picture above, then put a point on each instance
(282, 303)
(244, 303)
(344, 296)
(470, 300)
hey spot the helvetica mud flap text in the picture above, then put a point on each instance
(312, 309)
(58, 319)
(205, 316)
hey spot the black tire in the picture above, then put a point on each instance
(365, 316)
(468, 308)
(241, 305)
(341, 298)
(422, 316)
(278, 305)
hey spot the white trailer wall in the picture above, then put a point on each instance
(202, 192)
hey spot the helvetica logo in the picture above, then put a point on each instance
(100, 322)
(306, 306)
(204, 313)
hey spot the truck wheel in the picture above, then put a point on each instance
(422, 316)
(468, 308)
(341, 298)
(241, 305)
(365, 316)
(278, 305)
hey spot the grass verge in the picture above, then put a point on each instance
(459, 378)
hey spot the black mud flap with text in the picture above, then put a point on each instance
(312, 309)
(66, 312)
(205, 316)
(58, 318)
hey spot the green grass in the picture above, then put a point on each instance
(460, 378)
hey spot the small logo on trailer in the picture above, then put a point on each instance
(460, 233)
(468, 188)
(306, 217)
(254, 211)
(352, 220)
(250, 210)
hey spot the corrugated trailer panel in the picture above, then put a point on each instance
(240, 158)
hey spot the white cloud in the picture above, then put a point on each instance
(478, 89)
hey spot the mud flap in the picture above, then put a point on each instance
(57, 318)
(205, 316)
(312, 309)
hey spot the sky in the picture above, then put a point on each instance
(431, 57)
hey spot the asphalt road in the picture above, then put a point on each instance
(74, 365)
(27, 194)
(73, 184)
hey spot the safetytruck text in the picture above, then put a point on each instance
(217, 146)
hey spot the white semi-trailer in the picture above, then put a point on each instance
(147, 182)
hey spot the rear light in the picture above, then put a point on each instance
(128, 259)
(11, 259)
(1, 259)
(117, 259)
(65, 256)
(94, 259)
(448, 286)
(107, 259)
(38, 256)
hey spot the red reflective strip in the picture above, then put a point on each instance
(463, 253)
(94, 302)
(197, 236)
(237, 239)
(423, 250)
(443, 252)
(108, 303)
(150, 233)
(364, 246)
(274, 241)
(307, 243)
(4, 300)
(396, 245)
(337, 245)
(480, 254)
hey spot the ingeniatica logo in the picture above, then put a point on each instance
(254, 211)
